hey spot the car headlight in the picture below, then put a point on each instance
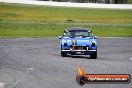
(65, 44)
(93, 44)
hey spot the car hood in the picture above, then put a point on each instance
(79, 41)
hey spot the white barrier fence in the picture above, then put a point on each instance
(70, 4)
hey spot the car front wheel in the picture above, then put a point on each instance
(63, 54)
(94, 55)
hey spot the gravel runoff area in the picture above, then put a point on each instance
(69, 4)
(37, 63)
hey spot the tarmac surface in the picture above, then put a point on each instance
(37, 63)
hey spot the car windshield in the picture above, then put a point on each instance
(78, 34)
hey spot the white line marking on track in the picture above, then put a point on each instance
(30, 69)
(131, 58)
(2, 85)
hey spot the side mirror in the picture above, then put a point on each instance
(60, 37)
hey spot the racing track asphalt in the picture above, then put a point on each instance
(36, 63)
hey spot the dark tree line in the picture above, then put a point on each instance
(92, 1)
(120, 1)
(116, 1)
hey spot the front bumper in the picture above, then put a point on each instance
(76, 50)
(79, 52)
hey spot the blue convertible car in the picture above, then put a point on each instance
(78, 41)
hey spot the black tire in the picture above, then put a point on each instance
(81, 80)
(94, 55)
(63, 54)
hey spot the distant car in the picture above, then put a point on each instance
(78, 41)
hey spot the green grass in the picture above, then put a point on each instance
(18, 20)
(129, 2)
